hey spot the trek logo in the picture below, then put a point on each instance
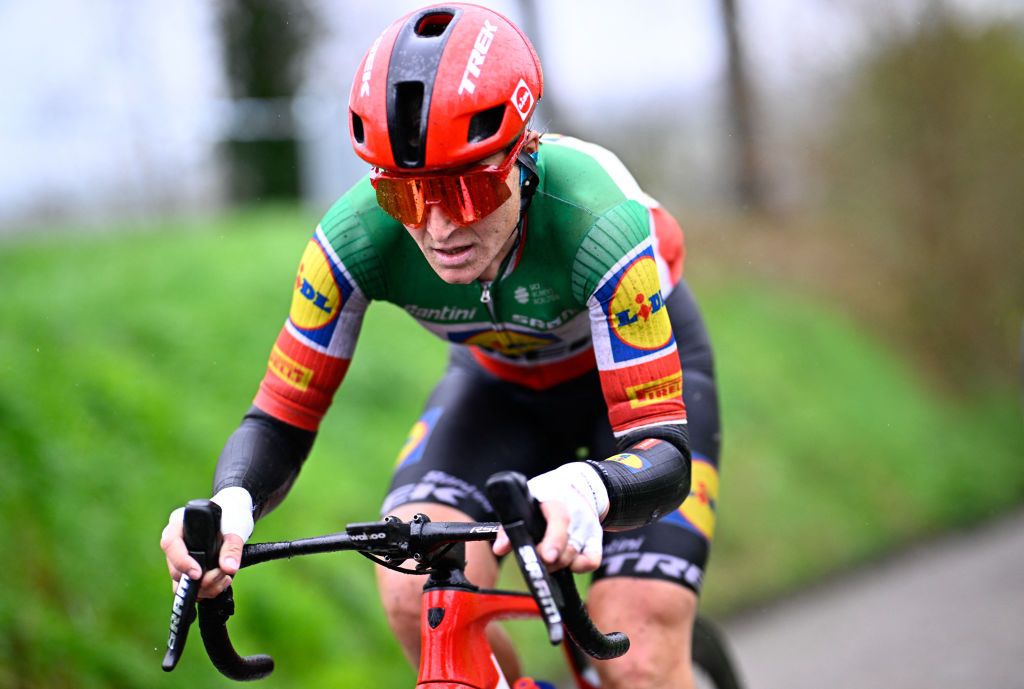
(545, 599)
(435, 486)
(523, 100)
(645, 563)
(364, 86)
(477, 57)
(178, 610)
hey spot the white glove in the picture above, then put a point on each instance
(577, 486)
(235, 512)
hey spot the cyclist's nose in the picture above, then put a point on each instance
(438, 223)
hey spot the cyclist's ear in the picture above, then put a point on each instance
(532, 141)
(231, 554)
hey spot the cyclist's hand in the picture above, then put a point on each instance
(573, 499)
(236, 525)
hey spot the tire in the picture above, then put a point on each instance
(712, 664)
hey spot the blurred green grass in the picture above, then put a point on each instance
(127, 358)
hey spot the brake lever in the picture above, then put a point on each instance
(201, 525)
(524, 525)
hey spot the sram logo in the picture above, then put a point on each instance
(545, 598)
(178, 609)
(477, 57)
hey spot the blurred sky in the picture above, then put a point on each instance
(116, 106)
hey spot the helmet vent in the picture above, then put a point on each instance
(486, 123)
(357, 129)
(409, 107)
(433, 24)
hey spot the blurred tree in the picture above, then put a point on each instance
(748, 180)
(928, 158)
(264, 43)
(549, 116)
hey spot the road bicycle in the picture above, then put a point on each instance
(455, 651)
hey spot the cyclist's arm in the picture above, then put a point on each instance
(263, 456)
(640, 372)
(306, 365)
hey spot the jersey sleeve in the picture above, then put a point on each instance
(314, 348)
(635, 348)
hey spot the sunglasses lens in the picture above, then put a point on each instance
(468, 198)
(402, 199)
(465, 198)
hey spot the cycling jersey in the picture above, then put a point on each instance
(474, 424)
(584, 286)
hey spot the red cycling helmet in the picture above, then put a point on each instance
(443, 87)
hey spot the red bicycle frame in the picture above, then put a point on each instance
(455, 652)
(453, 633)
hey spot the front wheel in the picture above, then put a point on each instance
(712, 665)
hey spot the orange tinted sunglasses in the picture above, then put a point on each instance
(465, 196)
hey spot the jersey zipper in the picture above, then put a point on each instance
(487, 300)
(486, 285)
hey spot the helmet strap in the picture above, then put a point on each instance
(528, 180)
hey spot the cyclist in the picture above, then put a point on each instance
(557, 282)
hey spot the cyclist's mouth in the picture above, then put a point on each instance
(454, 255)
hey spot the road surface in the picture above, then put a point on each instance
(946, 615)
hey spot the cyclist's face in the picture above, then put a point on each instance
(460, 255)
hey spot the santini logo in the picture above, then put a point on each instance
(477, 57)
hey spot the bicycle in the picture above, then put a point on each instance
(455, 651)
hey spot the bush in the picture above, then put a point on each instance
(926, 158)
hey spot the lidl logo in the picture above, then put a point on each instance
(416, 443)
(636, 318)
(289, 370)
(511, 343)
(321, 291)
(637, 311)
(655, 391)
(697, 512)
(634, 462)
(316, 299)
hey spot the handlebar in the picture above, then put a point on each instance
(392, 541)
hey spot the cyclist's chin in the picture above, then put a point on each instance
(458, 275)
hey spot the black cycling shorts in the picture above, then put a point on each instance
(474, 425)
